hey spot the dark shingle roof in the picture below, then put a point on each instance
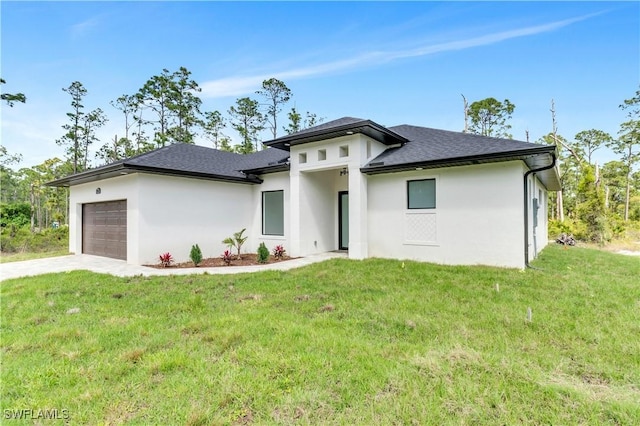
(344, 121)
(432, 145)
(186, 160)
(264, 159)
(414, 147)
(192, 158)
(430, 148)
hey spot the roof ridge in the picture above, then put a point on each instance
(148, 154)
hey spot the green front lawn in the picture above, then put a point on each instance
(19, 257)
(342, 342)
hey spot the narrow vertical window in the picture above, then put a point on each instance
(273, 213)
(421, 194)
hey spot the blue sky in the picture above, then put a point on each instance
(391, 62)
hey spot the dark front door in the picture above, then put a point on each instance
(343, 220)
(104, 229)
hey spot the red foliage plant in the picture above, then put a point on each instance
(166, 259)
(226, 257)
(279, 251)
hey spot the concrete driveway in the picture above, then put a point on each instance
(120, 268)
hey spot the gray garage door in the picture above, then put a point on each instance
(104, 229)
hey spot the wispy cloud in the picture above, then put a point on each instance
(81, 28)
(234, 86)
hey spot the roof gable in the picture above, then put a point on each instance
(336, 128)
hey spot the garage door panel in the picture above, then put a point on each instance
(113, 221)
(104, 229)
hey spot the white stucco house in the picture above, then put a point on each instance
(402, 192)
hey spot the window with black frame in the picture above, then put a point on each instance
(421, 194)
(273, 213)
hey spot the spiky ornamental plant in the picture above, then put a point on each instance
(236, 241)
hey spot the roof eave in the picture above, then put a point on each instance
(88, 175)
(125, 169)
(284, 167)
(366, 127)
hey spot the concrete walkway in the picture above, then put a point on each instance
(120, 268)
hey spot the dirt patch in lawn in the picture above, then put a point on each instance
(247, 259)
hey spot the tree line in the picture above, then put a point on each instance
(167, 110)
(597, 202)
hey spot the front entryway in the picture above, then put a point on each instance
(343, 220)
(104, 229)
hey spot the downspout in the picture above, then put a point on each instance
(526, 206)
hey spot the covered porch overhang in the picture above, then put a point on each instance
(329, 211)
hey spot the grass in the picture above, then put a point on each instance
(342, 342)
(18, 257)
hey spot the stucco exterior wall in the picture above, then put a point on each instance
(478, 217)
(359, 150)
(176, 213)
(316, 180)
(119, 188)
(538, 217)
(317, 210)
(271, 182)
(543, 216)
(168, 214)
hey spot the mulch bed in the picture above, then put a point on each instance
(246, 259)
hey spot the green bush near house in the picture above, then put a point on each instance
(195, 255)
(263, 253)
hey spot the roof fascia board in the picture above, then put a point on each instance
(97, 175)
(87, 175)
(469, 160)
(180, 173)
(342, 130)
(267, 169)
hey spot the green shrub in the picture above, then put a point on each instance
(591, 209)
(263, 253)
(16, 214)
(15, 239)
(196, 255)
(617, 226)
